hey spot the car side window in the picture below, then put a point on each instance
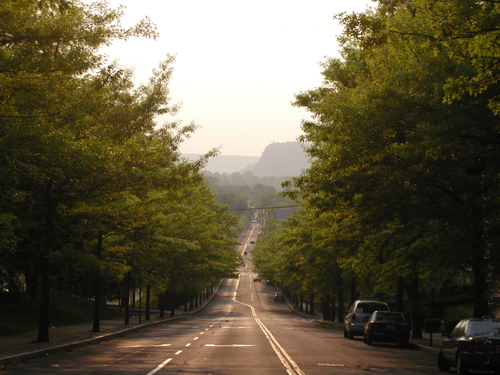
(352, 308)
(461, 331)
(458, 328)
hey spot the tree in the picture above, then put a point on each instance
(395, 153)
(78, 136)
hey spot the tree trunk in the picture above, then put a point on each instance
(191, 302)
(43, 326)
(333, 308)
(161, 305)
(340, 291)
(97, 287)
(311, 303)
(127, 302)
(172, 304)
(327, 312)
(416, 321)
(148, 302)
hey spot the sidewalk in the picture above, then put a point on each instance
(23, 346)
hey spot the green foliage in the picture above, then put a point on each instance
(404, 145)
(92, 187)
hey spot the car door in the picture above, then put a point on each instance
(449, 345)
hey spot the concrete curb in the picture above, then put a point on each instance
(94, 340)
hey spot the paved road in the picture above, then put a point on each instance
(242, 331)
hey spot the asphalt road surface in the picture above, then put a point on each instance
(242, 331)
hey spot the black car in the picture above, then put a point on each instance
(387, 326)
(474, 344)
(279, 297)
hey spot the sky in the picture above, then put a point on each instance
(238, 64)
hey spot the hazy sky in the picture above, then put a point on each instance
(238, 63)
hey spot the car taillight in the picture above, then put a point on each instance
(375, 326)
(480, 347)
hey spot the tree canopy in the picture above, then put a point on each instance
(404, 144)
(92, 187)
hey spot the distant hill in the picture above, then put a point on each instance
(281, 159)
(226, 163)
(278, 160)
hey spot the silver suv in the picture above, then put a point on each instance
(358, 315)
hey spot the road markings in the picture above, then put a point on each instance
(291, 367)
(188, 344)
(144, 346)
(159, 367)
(196, 338)
(178, 352)
(331, 364)
(230, 346)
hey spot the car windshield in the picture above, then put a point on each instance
(388, 317)
(370, 307)
(483, 327)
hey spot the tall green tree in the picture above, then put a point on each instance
(76, 134)
(392, 143)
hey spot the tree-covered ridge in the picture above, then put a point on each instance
(404, 144)
(93, 191)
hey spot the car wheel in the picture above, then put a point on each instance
(403, 344)
(369, 338)
(461, 369)
(350, 335)
(364, 338)
(442, 364)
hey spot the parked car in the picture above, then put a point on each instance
(269, 282)
(256, 278)
(387, 326)
(358, 315)
(474, 344)
(278, 296)
(252, 242)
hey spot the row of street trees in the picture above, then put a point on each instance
(92, 189)
(405, 149)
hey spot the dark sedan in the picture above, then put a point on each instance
(279, 297)
(387, 326)
(474, 344)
